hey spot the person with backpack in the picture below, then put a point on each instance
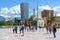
(54, 31)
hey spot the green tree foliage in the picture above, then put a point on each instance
(31, 18)
(26, 21)
(2, 23)
(53, 19)
(9, 23)
(17, 23)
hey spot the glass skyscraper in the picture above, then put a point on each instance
(24, 10)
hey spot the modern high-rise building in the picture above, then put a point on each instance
(47, 13)
(24, 10)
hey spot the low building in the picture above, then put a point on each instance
(40, 22)
(47, 13)
(58, 21)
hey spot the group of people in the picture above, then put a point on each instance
(15, 29)
(52, 29)
(21, 29)
(32, 28)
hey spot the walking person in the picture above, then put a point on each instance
(16, 29)
(22, 30)
(54, 31)
(47, 29)
(30, 27)
(50, 29)
(13, 29)
(27, 28)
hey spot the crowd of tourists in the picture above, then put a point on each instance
(49, 28)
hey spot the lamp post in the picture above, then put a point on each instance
(37, 12)
(55, 18)
(15, 19)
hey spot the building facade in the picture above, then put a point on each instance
(24, 10)
(58, 21)
(40, 22)
(34, 14)
(47, 13)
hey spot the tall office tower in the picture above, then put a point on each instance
(24, 10)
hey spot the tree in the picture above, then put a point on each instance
(30, 20)
(10, 22)
(3, 23)
(53, 19)
(17, 23)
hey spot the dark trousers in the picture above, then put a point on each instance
(54, 33)
(36, 28)
(20, 31)
(13, 30)
(16, 30)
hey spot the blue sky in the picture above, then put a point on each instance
(11, 5)
(8, 3)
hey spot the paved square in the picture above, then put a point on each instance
(7, 34)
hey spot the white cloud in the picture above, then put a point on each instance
(46, 7)
(16, 15)
(15, 9)
(57, 10)
(4, 10)
(12, 10)
(4, 15)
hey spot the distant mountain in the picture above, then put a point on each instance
(2, 18)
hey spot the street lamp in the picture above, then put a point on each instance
(55, 18)
(37, 12)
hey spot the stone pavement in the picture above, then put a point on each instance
(7, 34)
